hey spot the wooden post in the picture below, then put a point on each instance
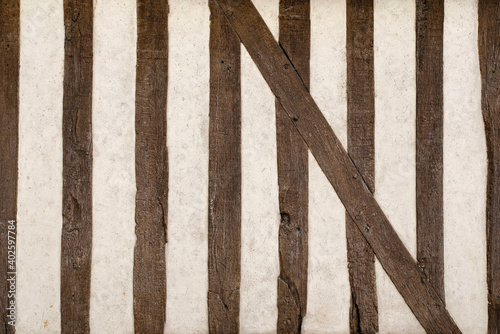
(9, 147)
(76, 248)
(224, 216)
(489, 59)
(363, 313)
(151, 162)
(293, 177)
(429, 148)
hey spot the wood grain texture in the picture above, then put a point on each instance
(150, 291)
(363, 313)
(9, 146)
(224, 217)
(429, 140)
(293, 175)
(339, 169)
(76, 251)
(489, 60)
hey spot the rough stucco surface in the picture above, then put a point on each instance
(395, 110)
(187, 136)
(464, 171)
(260, 207)
(328, 281)
(111, 302)
(40, 168)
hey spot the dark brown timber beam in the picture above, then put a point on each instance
(76, 247)
(429, 136)
(295, 39)
(338, 167)
(9, 144)
(151, 162)
(363, 313)
(224, 216)
(489, 60)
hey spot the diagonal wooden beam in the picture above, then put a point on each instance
(338, 167)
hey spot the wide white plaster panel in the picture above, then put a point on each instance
(40, 167)
(111, 302)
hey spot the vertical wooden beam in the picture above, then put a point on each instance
(429, 136)
(150, 291)
(9, 144)
(294, 37)
(363, 315)
(224, 218)
(76, 252)
(489, 60)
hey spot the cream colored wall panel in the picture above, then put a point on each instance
(187, 141)
(328, 281)
(111, 302)
(464, 170)
(395, 110)
(260, 207)
(40, 167)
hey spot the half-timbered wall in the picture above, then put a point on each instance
(197, 219)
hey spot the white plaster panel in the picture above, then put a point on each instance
(111, 302)
(40, 167)
(328, 281)
(464, 171)
(260, 207)
(395, 110)
(187, 141)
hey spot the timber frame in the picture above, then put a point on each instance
(293, 95)
(301, 127)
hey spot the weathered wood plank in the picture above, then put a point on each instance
(489, 59)
(76, 251)
(9, 146)
(150, 291)
(224, 218)
(295, 39)
(345, 178)
(363, 313)
(429, 137)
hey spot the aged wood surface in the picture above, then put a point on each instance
(76, 251)
(489, 59)
(294, 38)
(224, 217)
(363, 313)
(429, 137)
(150, 291)
(9, 143)
(345, 178)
